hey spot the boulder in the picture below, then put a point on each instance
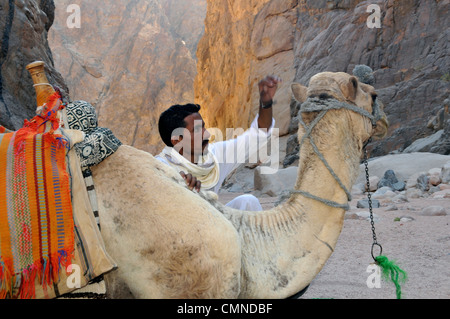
(412, 180)
(383, 192)
(442, 146)
(414, 193)
(390, 180)
(434, 174)
(423, 182)
(433, 211)
(441, 194)
(358, 189)
(275, 184)
(404, 164)
(364, 203)
(292, 151)
(424, 144)
(445, 173)
(373, 183)
(400, 198)
(362, 216)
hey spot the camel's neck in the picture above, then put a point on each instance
(328, 166)
(285, 248)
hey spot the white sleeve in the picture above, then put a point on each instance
(243, 149)
(162, 159)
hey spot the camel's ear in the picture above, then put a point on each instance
(351, 88)
(299, 92)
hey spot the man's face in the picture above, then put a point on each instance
(194, 142)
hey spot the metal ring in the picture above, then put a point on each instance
(381, 250)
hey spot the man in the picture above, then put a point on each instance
(203, 165)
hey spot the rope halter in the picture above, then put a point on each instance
(315, 104)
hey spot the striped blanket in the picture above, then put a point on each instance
(36, 218)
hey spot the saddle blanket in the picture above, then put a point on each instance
(36, 218)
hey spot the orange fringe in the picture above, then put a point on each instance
(46, 272)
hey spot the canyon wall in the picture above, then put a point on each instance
(131, 59)
(243, 42)
(24, 28)
(409, 55)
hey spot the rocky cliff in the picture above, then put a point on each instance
(24, 28)
(297, 39)
(243, 42)
(131, 59)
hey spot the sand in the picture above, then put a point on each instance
(420, 246)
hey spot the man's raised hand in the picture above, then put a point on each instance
(267, 88)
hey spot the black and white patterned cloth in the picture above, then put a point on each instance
(99, 142)
(81, 116)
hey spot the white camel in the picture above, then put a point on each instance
(170, 242)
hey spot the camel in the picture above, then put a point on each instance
(170, 242)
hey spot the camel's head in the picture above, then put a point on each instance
(346, 88)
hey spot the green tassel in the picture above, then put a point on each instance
(392, 272)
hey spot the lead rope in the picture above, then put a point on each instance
(389, 268)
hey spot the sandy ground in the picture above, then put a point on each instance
(421, 247)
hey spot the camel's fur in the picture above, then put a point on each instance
(170, 242)
(167, 240)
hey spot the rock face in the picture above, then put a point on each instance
(243, 42)
(186, 19)
(409, 54)
(274, 184)
(23, 29)
(131, 59)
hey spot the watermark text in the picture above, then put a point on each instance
(374, 279)
(74, 19)
(374, 19)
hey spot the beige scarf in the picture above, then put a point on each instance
(207, 170)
